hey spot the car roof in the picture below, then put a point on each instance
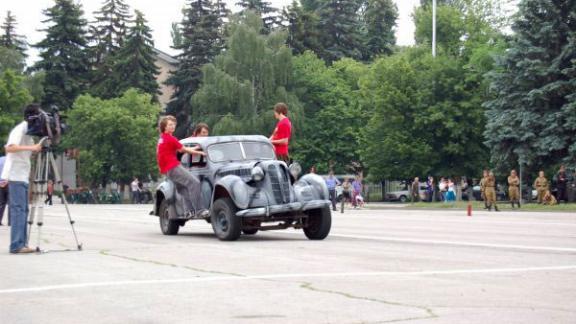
(208, 140)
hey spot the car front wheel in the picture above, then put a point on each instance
(318, 224)
(168, 227)
(225, 223)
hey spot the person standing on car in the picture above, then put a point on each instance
(541, 185)
(16, 171)
(331, 183)
(514, 188)
(186, 183)
(415, 192)
(490, 191)
(561, 179)
(280, 137)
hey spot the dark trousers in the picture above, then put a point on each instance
(561, 194)
(48, 199)
(135, 197)
(332, 194)
(4, 202)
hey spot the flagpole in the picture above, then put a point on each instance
(434, 28)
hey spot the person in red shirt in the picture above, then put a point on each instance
(281, 135)
(186, 183)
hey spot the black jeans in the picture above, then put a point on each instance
(4, 202)
(332, 194)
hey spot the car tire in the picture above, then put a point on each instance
(167, 226)
(225, 223)
(403, 199)
(318, 223)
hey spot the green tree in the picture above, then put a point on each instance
(244, 82)
(262, 8)
(11, 59)
(201, 42)
(116, 138)
(9, 38)
(450, 27)
(531, 117)
(134, 63)
(333, 115)
(379, 21)
(303, 32)
(13, 97)
(62, 54)
(340, 29)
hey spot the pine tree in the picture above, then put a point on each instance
(201, 42)
(532, 116)
(110, 28)
(340, 29)
(62, 54)
(9, 38)
(302, 28)
(264, 9)
(134, 63)
(379, 20)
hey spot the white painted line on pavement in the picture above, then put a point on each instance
(456, 243)
(352, 275)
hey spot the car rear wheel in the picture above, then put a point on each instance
(225, 223)
(403, 199)
(168, 227)
(318, 224)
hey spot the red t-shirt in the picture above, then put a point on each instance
(166, 150)
(283, 130)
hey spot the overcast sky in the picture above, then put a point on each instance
(160, 15)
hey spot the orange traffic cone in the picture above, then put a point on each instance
(469, 209)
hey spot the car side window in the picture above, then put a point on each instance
(197, 161)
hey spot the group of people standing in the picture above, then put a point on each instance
(351, 191)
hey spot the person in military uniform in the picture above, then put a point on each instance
(514, 188)
(490, 191)
(483, 187)
(549, 199)
(541, 185)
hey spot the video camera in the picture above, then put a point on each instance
(47, 124)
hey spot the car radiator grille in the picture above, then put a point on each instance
(280, 183)
(238, 172)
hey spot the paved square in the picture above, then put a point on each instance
(377, 266)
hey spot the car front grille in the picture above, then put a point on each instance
(238, 172)
(280, 183)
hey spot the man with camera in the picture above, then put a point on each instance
(16, 171)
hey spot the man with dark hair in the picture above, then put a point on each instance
(186, 183)
(16, 171)
(281, 135)
(201, 130)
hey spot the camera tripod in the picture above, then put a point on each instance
(45, 164)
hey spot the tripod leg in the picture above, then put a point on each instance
(58, 181)
(34, 194)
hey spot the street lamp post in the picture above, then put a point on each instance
(434, 28)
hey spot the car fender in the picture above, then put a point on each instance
(165, 190)
(232, 186)
(311, 187)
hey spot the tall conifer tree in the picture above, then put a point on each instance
(264, 9)
(134, 65)
(532, 118)
(379, 18)
(340, 29)
(63, 55)
(201, 42)
(9, 38)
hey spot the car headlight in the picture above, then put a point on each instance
(257, 173)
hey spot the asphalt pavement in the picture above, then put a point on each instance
(377, 266)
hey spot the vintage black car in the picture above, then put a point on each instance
(247, 190)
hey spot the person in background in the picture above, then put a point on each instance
(442, 188)
(356, 190)
(3, 192)
(541, 185)
(346, 191)
(430, 189)
(280, 137)
(331, 183)
(49, 192)
(135, 191)
(450, 192)
(490, 191)
(561, 180)
(514, 188)
(483, 187)
(201, 130)
(549, 199)
(415, 192)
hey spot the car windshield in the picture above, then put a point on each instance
(238, 151)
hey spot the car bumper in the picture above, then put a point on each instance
(286, 208)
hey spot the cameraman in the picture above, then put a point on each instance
(16, 171)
